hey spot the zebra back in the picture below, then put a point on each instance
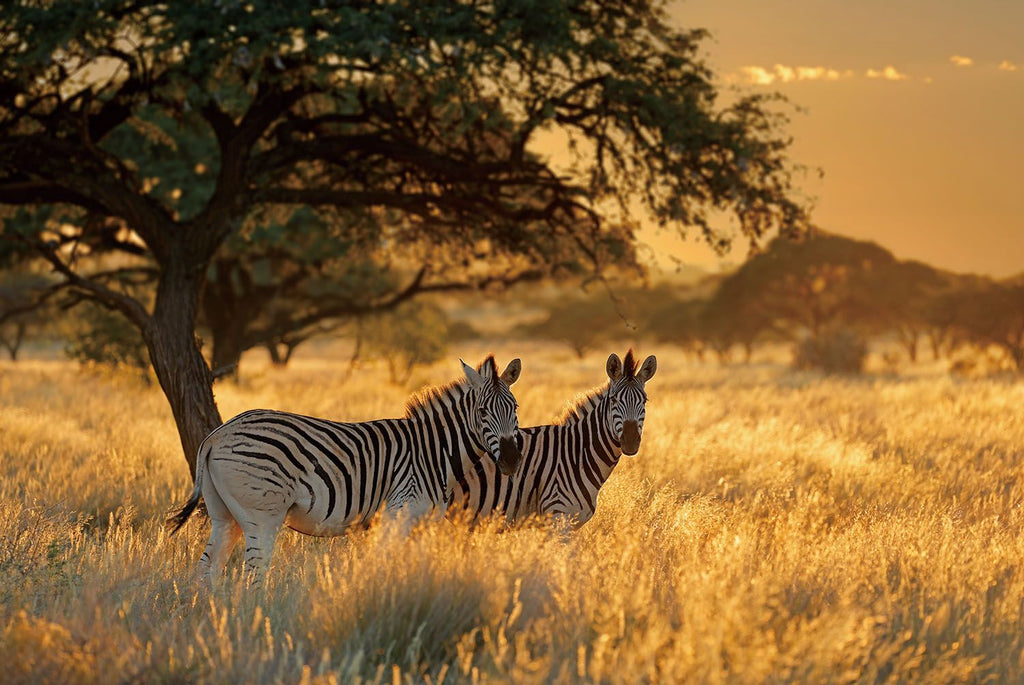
(323, 476)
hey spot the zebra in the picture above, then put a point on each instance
(264, 469)
(564, 464)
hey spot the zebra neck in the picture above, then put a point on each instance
(589, 419)
(443, 424)
(603, 447)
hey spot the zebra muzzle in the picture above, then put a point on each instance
(509, 456)
(630, 438)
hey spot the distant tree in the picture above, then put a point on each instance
(900, 296)
(584, 324)
(461, 331)
(730, 318)
(414, 334)
(942, 318)
(429, 110)
(13, 324)
(680, 323)
(947, 312)
(102, 337)
(798, 288)
(586, 317)
(282, 280)
(26, 310)
(12, 335)
(993, 314)
(834, 350)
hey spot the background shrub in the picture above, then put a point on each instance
(840, 350)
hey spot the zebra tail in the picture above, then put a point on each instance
(182, 514)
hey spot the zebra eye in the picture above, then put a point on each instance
(482, 412)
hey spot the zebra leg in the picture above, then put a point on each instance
(409, 513)
(259, 510)
(259, 548)
(224, 533)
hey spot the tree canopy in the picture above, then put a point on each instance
(482, 141)
(804, 284)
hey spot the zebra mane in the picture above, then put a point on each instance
(455, 389)
(586, 402)
(492, 367)
(629, 365)
(582, 405)
(425, 399)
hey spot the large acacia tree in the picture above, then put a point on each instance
(435, 114)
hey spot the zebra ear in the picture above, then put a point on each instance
(614, 366)
(647, 369)
(511, 373)
(472, 375)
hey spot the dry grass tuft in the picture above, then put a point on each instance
(776, 526)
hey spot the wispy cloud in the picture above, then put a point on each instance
(781, 73)
(758, 75)
(778, 74)
(889, 73)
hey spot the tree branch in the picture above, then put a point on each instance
(219, 217)
(61, 168)
(28, 192)
(42, 295)
(111, 299)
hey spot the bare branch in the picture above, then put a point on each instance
(109, 298)
(33, 192)
(41, 296)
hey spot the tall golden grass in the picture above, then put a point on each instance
(775, 527)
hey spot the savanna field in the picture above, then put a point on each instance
(776, 526)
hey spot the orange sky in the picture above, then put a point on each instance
(914, 110)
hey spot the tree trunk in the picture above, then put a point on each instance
(179, 365)
(275, 355)
(274, 350)
(1017, 355)
(227, 316)
(14, 343)
(227, 348)
(938, 340)
(910, 344)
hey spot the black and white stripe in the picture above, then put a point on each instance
(565, 464)
(264, 469)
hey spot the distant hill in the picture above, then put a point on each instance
(1015, 280)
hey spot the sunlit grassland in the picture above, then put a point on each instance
(774, 527)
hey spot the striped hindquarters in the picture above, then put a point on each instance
(323, 475)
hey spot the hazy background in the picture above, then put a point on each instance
(912, 109)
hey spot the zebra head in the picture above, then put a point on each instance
(627, 399)
(493, 412)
